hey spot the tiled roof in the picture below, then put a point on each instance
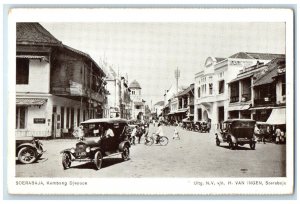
(251, 55)
(267, 77)
(186, 91)
(34, 34)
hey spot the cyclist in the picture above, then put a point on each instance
(159, 133)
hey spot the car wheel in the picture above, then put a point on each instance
(66, 160)
(98, 160)
(27, 155)
(163, 141)
(217, 142)
(125, 153)
(252, 146)
(231, 145)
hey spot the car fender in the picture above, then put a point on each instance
(66, 151)
(218, 136)
(122, 145)
(26, 145)
(95, 149)
(233, 139)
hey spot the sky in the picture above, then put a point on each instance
(150, 52)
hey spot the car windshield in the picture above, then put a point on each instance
(243, 124)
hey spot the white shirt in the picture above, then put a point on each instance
(160, 131)
(109, 133)
(133, 132)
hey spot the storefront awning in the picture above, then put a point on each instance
(277, 117)
(45, 58)
(30, 101)
(238, 108)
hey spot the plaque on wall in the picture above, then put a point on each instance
(39, 120)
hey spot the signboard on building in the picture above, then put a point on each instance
(39, 120)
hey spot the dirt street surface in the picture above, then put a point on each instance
(194, 155)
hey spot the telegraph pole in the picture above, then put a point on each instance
(177, 75)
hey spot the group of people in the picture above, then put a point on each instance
(272, 133)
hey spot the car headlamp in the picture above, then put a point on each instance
(88, 149)
(72, 150)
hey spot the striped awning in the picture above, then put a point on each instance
(30, 101)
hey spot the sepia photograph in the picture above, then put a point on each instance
(153, 101)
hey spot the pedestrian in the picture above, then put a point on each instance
(139, 133)
(133, 135)
(146, 132)
(277, 134)
(176, 133)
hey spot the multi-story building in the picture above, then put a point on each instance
(138, 104)
(258, 90)
(186, 103)
(211, 84)
(57, 86)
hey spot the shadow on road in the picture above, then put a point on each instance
(237, 148)
(105, 163)
(40, 160)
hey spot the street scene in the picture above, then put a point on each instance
(194, 155)
(138, 100)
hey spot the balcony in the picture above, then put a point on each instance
(265, 101)
(234, 99)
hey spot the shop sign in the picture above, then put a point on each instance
(39, 120)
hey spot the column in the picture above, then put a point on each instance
(182, 102)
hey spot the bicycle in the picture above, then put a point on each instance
(162, 140)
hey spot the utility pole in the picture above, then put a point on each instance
(177, 75)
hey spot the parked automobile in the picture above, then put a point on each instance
(202, 126)
(96, 145)
(28, 149)
(237, 132)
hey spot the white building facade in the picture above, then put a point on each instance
(211, 85)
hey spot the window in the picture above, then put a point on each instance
(221, 86)
(234, 92)
(199, 114)
(62, 113)
(210, 85)
(21, 117)
(22, 71)
(133, 92)
(78, 117)
(199, 92)
(68, 118)
(283, 86)
(83, 115)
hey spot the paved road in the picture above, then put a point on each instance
(194, 155)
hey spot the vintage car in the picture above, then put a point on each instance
(237, 132)
(95, 145)
(28, 149)
(202, 126)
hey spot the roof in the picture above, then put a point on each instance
(267, 77)
(241, 77)
(135, 85)
(35, 34)
(83, 54)
(219, 59)
(105, 120)
(160, 103)
(262, 56)
(138, 103)
(31, 101)
(186, 91)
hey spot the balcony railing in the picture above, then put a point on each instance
(264, 101)
(234, 99)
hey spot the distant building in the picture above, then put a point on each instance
(211, 84)
(138, 104)
(57, 86)
(157, 109)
